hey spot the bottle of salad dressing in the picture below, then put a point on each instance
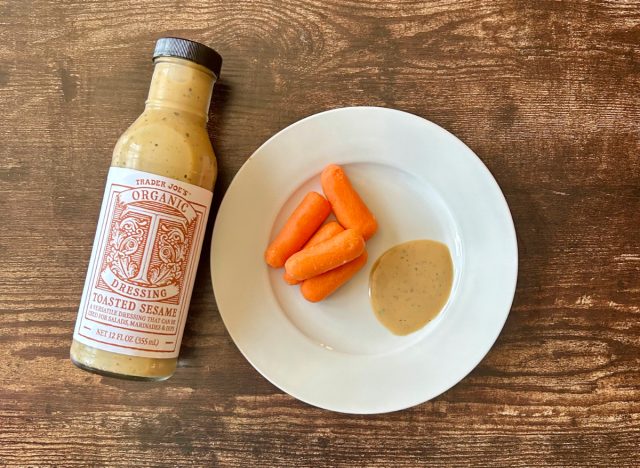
(149, 235)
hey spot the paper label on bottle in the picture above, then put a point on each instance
(143, 264)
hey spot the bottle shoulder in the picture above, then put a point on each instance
(168, 144)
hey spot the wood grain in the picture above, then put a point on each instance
(547, 93)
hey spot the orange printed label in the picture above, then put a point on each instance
(143, 264)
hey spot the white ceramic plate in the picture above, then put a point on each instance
(421, 182)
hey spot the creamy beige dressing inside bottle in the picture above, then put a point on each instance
(154, 212)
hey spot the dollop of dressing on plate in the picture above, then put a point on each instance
(410, 284)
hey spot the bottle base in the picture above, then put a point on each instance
(118, 376)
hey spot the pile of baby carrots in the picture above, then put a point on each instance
(321, 258)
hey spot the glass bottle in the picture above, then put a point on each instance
(154, 212)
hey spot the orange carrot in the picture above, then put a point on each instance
(319, 287)
(290, 280)
(300, 226)
(325, 256)
(325, 232)
(347, 205)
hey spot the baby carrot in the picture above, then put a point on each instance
(317, 288)
(347, 205)
(300, 226)
(325, 256)
(325, 232)
(290, 280)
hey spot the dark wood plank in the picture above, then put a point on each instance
(548, 95)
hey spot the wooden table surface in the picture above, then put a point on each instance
(547, 93)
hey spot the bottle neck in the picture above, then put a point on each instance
(181, 85)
